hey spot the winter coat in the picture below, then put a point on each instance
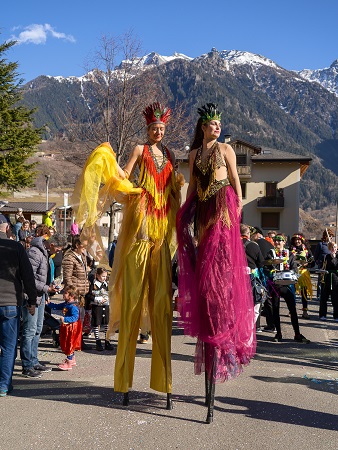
(38, 256)
(320, 253)
(75, 271)
(16, 274)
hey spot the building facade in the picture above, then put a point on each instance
(270, 181)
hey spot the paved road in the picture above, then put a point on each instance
(285, 399)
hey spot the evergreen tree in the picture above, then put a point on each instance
(18, 137)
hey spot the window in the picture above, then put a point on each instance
(69, 213)
(243, 186)
(241, 160)
(270, 220)
(271, 189)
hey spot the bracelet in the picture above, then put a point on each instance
(127, 174)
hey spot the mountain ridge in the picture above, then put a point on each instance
(326, 77)
(263, 103)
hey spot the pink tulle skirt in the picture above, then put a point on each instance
(216, 299)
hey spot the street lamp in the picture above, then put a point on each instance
(47, 183)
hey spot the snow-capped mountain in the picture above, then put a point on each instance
(153, 59)
(237, 57)
(328, 77)
(263, 103)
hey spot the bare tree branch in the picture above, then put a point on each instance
(115, 97)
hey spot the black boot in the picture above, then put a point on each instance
(169, 402)
(211, 398)
(207, 388)
(84, 346)
(108, 345)
(125, 399)
(99, 347)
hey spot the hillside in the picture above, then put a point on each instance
(50, 161)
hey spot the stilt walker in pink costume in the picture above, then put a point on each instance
(217, 305)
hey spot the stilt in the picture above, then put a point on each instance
(169, 402)
(125, 399)
(207, 388)
(210, 387)
(211, 398)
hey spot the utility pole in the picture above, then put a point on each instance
(47, 185)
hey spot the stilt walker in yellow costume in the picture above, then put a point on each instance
(140, 283)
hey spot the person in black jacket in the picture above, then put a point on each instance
(320, 253)
(16, 276)
(255, 262)
(267, 250)
(38, 255)
(264, 245)
(331, 283)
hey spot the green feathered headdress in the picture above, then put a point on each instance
(209, 112)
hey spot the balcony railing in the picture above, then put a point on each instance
(270, 202)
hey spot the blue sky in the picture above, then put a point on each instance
(57, 37)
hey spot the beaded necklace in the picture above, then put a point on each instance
(155, 158)
(285, 255)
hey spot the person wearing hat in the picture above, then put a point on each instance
(216, 298)
(304, 258)
(319, 255)
(16, 278)
(287, 292)
(266, 247)
(140, 287)
(143, 265)
(255, 262)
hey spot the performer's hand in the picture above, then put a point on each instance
(62, 319)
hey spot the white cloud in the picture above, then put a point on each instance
(38, 34)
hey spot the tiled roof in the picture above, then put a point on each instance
(31, 207)
(261, 154)
(271, 154)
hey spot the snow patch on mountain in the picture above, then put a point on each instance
(154, 59)
(238, 57)
(327, 77)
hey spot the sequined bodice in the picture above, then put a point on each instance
(205, 173)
